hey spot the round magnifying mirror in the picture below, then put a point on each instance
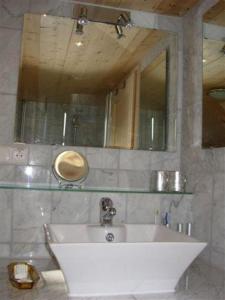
(70, 166)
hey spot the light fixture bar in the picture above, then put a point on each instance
(124, 20)
(82, 19)
(119, 31)
(79, 29)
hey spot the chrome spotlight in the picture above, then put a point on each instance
(82, 19)
(125, 20)
(79, 29)
(119, 31)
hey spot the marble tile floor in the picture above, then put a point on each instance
(200, 282)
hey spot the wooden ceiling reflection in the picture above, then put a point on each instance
(153, 84)
(167, 7)
(213, 110)
(213, 65)
(216, 15)
(54, 66)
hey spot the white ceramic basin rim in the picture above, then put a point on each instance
(141, 259)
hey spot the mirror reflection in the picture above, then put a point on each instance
(98, 87)
(153, 113)
(213, 129)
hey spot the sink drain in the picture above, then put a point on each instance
(109, 237)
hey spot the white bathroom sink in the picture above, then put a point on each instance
(139, 259)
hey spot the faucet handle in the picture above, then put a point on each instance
(106, 203)
(112, 211)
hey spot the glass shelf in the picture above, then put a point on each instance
(41, 187)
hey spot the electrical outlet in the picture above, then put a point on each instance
(19, 155)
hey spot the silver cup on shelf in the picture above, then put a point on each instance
(176, 181)
(159, 181)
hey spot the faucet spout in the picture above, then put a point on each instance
(107, 211)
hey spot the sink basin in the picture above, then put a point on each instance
(140, 259)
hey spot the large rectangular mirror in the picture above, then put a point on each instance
(213, 129)
(97, 85)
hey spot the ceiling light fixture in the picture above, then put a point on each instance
(218, 94)
(119, 31)
(82, 19)
(125, 20)
(204, 60)
(79, 29)
(79, 44)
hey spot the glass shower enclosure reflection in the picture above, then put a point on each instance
(78, 122)
(134, 116)
(153, 104)
(73, 91)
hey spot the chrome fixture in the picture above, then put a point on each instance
(107, 211)
(79, 29)
(64, 128)
(217, 93)
(76, 121)
(124, 20)
(109, 237)
(119, 31)
(76, 125)
(82, 19)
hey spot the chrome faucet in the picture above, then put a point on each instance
(107, 211)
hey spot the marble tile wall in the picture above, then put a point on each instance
(205, 168)
(24, 212)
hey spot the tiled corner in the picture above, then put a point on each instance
(4, 250)
(217, 259)
(9, 61)
(58, 149)
(31, 209)
(6, 215)
(130, 179)
(40, 155)
(52, 7)
(164, 161)
(141, 208)
(70, 207)
(102, 158)
(102, 178)
(32, 175)
(134, 160)
(218, 157)
(26, 250)
(7, 173)
(11, 13)
(202, 209)
(218, 212)
(5, 154)
(7, 108)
